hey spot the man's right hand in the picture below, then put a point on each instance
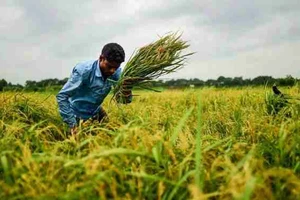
(125, 94)
(74, 130)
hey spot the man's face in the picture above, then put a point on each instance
(108, 68)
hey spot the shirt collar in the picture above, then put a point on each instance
(98, 71)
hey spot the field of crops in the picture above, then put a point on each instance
(177, 144)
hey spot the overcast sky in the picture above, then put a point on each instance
(45, 39)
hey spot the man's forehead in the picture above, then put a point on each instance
(113, 63)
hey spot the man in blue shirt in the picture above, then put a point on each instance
(90, 82)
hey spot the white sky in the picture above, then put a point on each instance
(45, 39)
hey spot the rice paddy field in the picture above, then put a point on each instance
(177, 144)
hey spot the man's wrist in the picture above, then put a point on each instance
(73, 125)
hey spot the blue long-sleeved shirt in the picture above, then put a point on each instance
(84, 92)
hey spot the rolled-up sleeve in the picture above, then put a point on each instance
(65, 93)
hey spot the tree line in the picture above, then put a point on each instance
(221, 81)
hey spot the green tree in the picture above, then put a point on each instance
(3, 84)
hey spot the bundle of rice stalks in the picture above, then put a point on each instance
(152, 61)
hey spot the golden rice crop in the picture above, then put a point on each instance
(168, 145)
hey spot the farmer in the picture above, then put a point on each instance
(90, 82)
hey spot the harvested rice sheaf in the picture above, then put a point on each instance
(156, 59)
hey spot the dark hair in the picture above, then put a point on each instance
(113, 52)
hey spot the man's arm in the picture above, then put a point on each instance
(125, 94)
(62, 97)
